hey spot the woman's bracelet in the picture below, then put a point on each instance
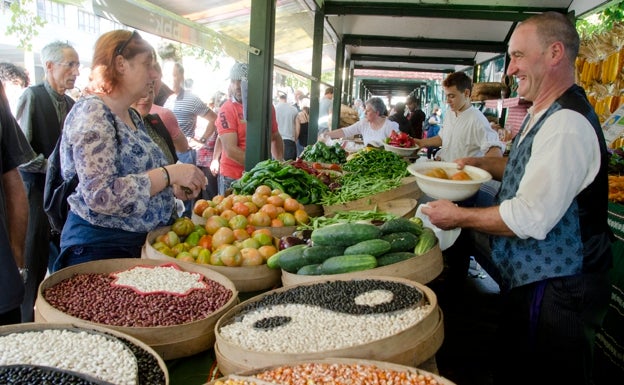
(166, 176)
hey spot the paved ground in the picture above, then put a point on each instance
(469, 325)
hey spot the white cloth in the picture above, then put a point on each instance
(467, 134)
(565, 159)
(364, 128)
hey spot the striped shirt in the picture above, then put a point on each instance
(187, 107)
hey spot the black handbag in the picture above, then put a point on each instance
(57, 190)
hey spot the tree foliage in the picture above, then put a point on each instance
(601, 21)
(24, 24)
(171, 51)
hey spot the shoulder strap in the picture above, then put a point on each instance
(159, 126)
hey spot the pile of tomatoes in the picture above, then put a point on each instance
(401, 139)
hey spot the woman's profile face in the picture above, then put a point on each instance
(370, 113)
(141, 74)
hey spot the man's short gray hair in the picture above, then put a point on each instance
(54, 52)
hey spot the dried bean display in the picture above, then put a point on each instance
(94, 354)
(95, 297)
(32, 374)
(326, 316)
(335, 374)
(149, 370)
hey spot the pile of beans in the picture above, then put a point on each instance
(326, 316)
(93, 297)
(335, 374)
(149, 370)
(154, 279)
(95, 354)
(30, 374)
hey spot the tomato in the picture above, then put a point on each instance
(183, 226)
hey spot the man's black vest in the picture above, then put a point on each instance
(45, 124)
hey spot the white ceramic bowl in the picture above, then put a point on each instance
(453, 190)
(403, 151)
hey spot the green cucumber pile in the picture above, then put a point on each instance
(349, 247)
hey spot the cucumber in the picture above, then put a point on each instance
(314, 269)
(318, 254)
(348, 264)
(399, 225)
(375, 247)
(397, 256)
(287, 256)
(426, 241)
(344, 234)
(403, 241)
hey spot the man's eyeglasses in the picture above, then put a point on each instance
(122, 47)
(72, 64)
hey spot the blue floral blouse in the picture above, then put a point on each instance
(111, 160)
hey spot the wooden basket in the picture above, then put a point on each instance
(407, 190)
(31, 326)
(422, 269)
(489, 90)
(248, 374)
(244, 278)
(411, 346)
(168, 341)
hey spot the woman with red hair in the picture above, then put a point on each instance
(126, 185)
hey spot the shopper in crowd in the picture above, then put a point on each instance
(399, 117)
(549, 235)
(433, 123)
(14, 79)
(155, 126)
(126, 185)
(325, 110)
(232, 128)
(14, 150)
(188, 108)
(358, 105)
(415, 115)
(41, 111)
(374, 129)
(286, 114)
(301, 127)
(168, 117)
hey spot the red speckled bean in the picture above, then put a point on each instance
(91, 297)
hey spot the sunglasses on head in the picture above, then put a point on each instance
(124, 45)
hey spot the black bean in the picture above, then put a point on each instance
(339, 296)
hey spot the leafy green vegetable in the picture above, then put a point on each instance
(322, 153)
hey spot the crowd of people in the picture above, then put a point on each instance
(140, 165)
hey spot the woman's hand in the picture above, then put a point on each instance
(187, 180)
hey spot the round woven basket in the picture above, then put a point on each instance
(248, 375)
(410, 346)
(168, 341)
(38, 327)
(422, 269)
(245, 278)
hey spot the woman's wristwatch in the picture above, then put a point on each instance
(202, 140)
